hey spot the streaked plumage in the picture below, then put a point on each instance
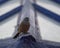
(23, 27)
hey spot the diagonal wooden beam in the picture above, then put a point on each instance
(10, 13)
(40, 9)
(3, 1)
(46, 12)
(57, 1)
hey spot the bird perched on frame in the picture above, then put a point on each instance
(23, 27)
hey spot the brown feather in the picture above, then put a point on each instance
(23, 27)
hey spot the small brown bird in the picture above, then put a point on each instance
(23, 27)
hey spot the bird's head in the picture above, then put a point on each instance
(25, 20)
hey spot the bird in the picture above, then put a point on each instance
(23, 27)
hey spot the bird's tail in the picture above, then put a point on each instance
(16, 36)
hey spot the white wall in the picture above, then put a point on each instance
(49, 29)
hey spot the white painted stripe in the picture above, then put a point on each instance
(50, 7)
(8, 7)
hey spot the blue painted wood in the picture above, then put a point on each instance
(3, 1)
(38, 8)
(10, 13)
(51, 46)
(21, 44)
(48, 13)
(57, 1)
